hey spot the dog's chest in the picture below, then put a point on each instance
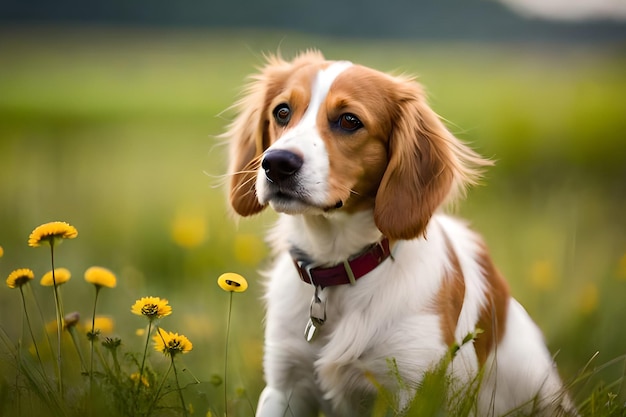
(360, 349)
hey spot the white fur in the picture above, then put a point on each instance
(389, 314)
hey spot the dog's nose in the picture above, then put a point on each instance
(280, 164)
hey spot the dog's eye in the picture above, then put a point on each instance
(282, 114)
(349, 122)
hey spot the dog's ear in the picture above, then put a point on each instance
(427, 166)
(249, 134)
(248, 137)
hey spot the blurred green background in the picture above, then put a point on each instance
(115, 130)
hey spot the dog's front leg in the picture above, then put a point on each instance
(294, 403)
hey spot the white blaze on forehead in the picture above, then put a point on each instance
(321, 86)
(305, 139)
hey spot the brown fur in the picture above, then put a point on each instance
(492, 320)
(450, 297)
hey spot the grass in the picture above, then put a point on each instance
(114, 131)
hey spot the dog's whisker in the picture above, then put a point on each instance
(221, 179)
(245, 184)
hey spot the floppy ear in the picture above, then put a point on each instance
(427, 166)
(248, 136)
(249, 132)
(245, 134)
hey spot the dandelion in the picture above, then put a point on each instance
(17, 279)
(1, 252)
(100, 277)
(53, 233)
(588, 299)
(189, 228)
(153, 308)
(102, 324)
(230, 282)
(171, 344)
(60, 276)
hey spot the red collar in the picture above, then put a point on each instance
(348, 271)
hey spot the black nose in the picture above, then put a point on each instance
(280, 164)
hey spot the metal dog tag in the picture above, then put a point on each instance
(317, 313)
(310, 331)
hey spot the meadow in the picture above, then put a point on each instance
(116, 132)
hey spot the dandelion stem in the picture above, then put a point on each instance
(230, 307)
(30, 329)
(41, 317)
(105, 365)
(180, 392)
(145, 352)
(72, 331)
(156, 396)
(116, 363)
(59, 312)
(93, 335)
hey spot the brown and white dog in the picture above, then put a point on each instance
(367, 271)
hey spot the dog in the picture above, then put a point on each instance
(372, 285)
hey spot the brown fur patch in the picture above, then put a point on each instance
(450, 297)
(492, 320)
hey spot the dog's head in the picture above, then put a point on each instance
(317, 136)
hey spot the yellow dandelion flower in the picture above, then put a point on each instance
(171, 343)
(151, 307)
(19, 277)
(189, 228)
(543, 275)
(1, 252)
(589, 297)
(232, 282)
(100, 277)
(51, 232)
(61, 275)
(104, 324)
(140, 332)
(51, 327)
(135, 377)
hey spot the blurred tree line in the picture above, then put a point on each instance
(425, 19)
